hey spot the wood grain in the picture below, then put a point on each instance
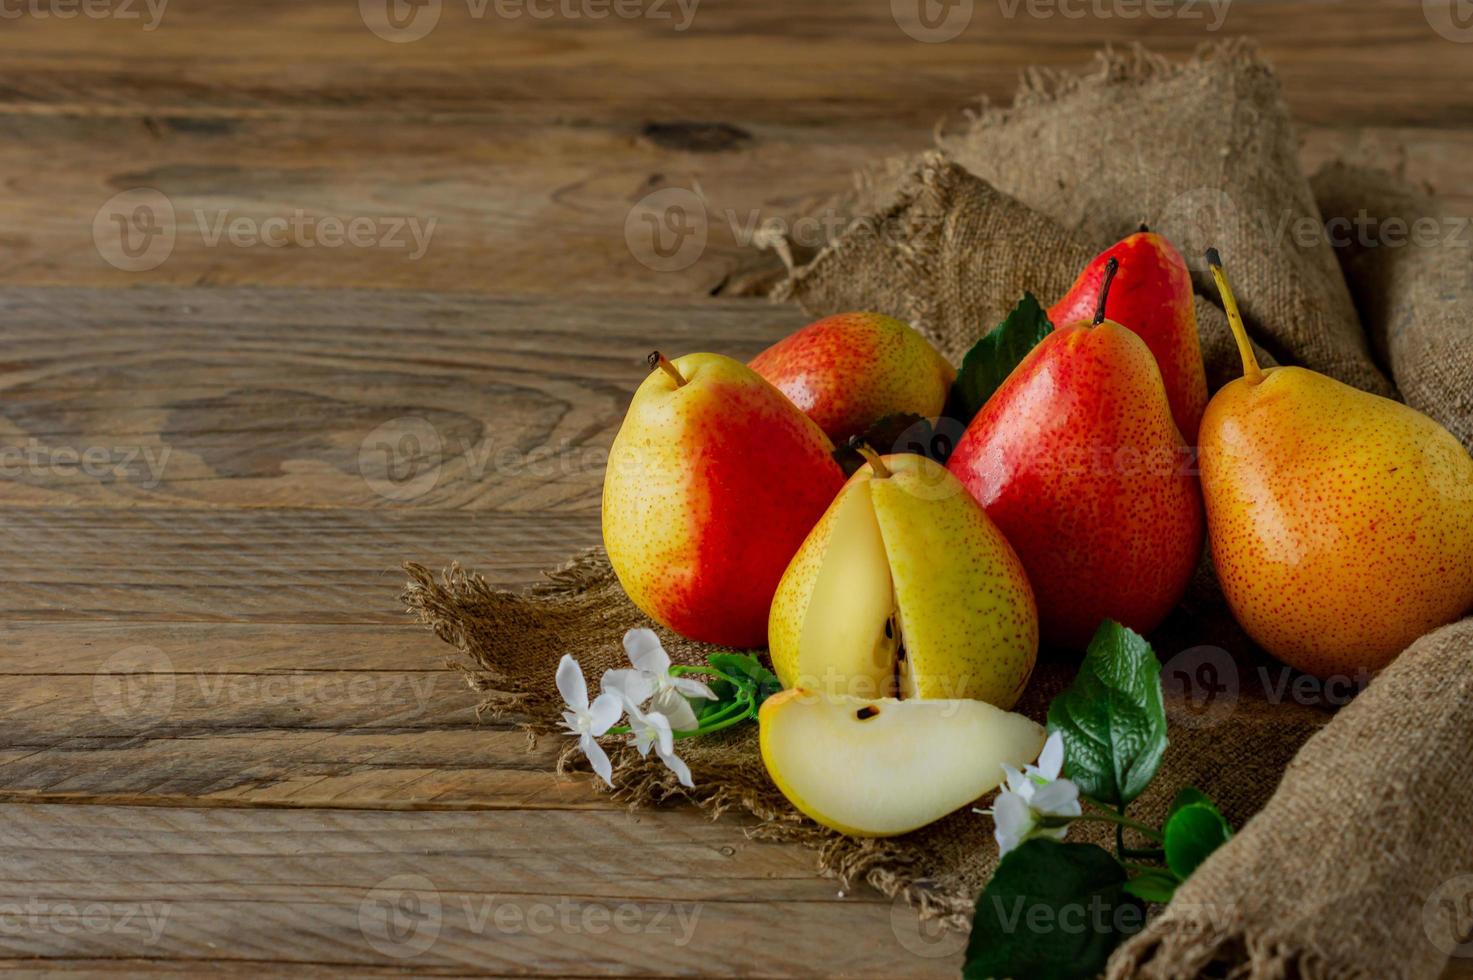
(565, 894)
(162, 397)
(507, 134)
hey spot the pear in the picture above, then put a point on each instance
(1151, 294)
(1341, 522)
(850, 370)
(875, 768)
(1078, 462)
(905, 587)
(713, 482)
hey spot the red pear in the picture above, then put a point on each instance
(1077, 460)
(851, 370)
(1152, 296)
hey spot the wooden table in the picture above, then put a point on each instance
(222, 745)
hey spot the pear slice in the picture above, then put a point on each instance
(829, 628)
(875, 768)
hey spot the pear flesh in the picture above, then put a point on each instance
(905, 587)
(875, 768)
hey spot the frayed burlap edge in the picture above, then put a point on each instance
(1131, 65)
(642, 782)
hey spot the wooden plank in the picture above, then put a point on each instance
(261, 398)
(756, 58)
(513, 138)
(610, 894)
(262, 715)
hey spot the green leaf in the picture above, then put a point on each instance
(752, 681)
(1052, 911)
(1193, 832)
(1188, 795)
(1153, 886)
(1112, 718)
(993, 358)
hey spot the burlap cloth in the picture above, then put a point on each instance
(1333, 875)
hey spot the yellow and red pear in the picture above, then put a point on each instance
(850, 370)
(1151, 295)
(713, 482)
(1077, 460)
(1341, 522)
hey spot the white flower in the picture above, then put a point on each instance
(651, 676)
(584, 721)
(1032, 796)
(652, 729)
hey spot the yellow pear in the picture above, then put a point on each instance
(905, 587)
(874, 768)
(1341, 522)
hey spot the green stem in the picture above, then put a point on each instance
(719, 725)
(1147, 869)
(1121, 820)
(681, 671)
(1152, 853)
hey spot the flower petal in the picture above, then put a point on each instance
(604, 714)
(1059, 798)
(1013, 819)
(678, 766)
(664, 736)
(677, 709)
(571, 685)
(1051, 759)
(645, 652)
(692, 688)
(598, 757)
(633, 686)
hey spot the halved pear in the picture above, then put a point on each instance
(875, 768)
(905, 587)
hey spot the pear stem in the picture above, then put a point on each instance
(658, 360)
(1251, 370)
(1111, 267)
(873, 459)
